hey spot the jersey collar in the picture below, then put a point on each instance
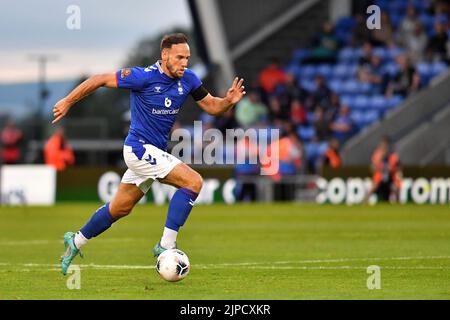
(161, 71)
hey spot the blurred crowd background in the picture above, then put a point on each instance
(344, 78)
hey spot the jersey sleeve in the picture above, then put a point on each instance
(131, 78)
(194, 81)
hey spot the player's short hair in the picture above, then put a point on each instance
(174, 38)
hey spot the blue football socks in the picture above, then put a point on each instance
(179, 208)
(99, 222)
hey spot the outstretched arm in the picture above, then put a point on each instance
(216, 106)
(85, 88)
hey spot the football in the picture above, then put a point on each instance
(173, 265)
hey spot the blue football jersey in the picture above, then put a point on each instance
(155, 101)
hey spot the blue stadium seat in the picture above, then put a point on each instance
(391, 68)
(308, 71)
(342, 71)
(420, 5)
(308, 85)
(306, 133)
(357, 117)
(312, 151)
(379, 102)
(325, 70)
(441, 18)
(344, 28)
(349, 55)
(356, 87)
(428, 22)
(383, 4)
(345, 55)
(424, 68)
(380, 52)
(371, 116)
(336, 86)
(350, 87)
(322, 147)
(294, 69)
(345, 24)
(425, 72)
(392, 53)
(365, 87)
(287, 168)
(437, 68)
(348, 100)
(361, 102)
(394, 101)
(398, 7)
(310, 117)
(300, 54)
(396, 19)
(345, 37)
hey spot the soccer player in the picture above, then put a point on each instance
(157, 93)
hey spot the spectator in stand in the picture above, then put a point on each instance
(298, 113)
(331, 159)
(439, 7)
(416, 43)
(290, 91)
(385, 35)
(361, 34)
(245, 189)
(374, 74)
(321, 125)
(320, 95)
(437, 44)
(325, 45)
(367, 53)
(387, 175)
(332, 108)
(290, 157)
(11, 136)
(272, 76)
(407, 79)
(277, 115)
(408, 25)
(343, 126)
(250, 110)
(226, 121)
(57, 151)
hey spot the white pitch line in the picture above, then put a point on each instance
(331, 260)
(45, 242)
(258, 265)
(125, 267)
(25, 243)
(87, 266)
(345, 268)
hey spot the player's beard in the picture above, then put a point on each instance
(172, 70)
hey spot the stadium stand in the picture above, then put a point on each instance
(367, 73)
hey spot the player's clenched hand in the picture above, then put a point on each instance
(236, 92)
(60, 109)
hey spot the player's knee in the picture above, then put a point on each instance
(196, 183)
(120, 210)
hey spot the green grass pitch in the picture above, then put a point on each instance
(273, 251)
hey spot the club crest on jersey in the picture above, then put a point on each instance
(158, 89)
(180, 88)
(167, 103)
(125, 73)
